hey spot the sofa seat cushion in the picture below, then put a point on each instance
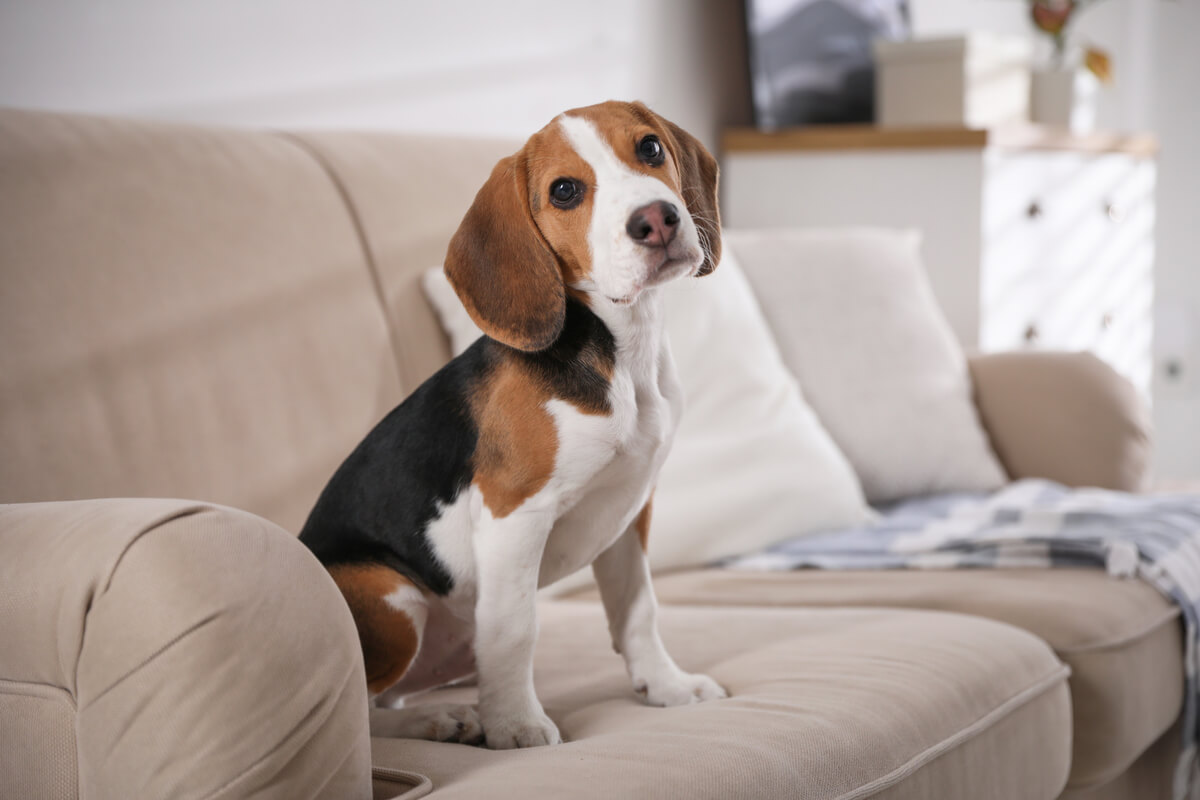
(826, 703)
(1121, 638)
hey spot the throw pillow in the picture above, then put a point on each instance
(857, 323)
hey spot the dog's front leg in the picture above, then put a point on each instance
(623, 575)
(508, 554)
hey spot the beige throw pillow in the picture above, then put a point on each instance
(856, 322)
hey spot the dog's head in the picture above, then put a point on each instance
(608, 200)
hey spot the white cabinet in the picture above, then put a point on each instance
(1032, 239)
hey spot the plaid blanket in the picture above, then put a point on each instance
(1155, 538)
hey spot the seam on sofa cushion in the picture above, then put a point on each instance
(364, 241)
(189, 508)
(587, 595)
(418, 785)
(178, 638)
(975, 728)
(42, 691)
(1171, 615)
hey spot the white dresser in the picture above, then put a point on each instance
(1032, 238)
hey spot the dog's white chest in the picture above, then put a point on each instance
(609, 463)
(589, 445)
(605, 465)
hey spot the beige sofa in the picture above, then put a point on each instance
(220, 316)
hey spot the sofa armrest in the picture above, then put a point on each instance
(164, 648)
(1067, 417)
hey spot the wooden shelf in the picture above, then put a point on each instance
(871, 137)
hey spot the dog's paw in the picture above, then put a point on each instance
(456, 723)
(680, 689)
(521, 730)
(443, 722)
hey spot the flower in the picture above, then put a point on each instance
(1052, 16)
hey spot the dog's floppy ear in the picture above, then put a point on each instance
(698, 175)
(503, 270)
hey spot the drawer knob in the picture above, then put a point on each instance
(1034, 211)
(1031, 333)
(1106, 321)
(1113, 211)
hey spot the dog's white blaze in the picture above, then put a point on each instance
(619, 264)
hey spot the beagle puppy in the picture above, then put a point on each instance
(535, 452)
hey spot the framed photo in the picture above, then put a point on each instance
(810, 60)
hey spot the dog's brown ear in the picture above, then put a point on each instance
(698, 176)
(503, 270)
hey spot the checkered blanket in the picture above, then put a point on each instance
(1155, 538)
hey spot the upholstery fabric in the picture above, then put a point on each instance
(408, 194)
(1121, 638)
(1068, 417)
(1148, 778)
(186, 312)
(37, 742)
(188, 650)
(858, 325)
(847, 704)
(751, 464)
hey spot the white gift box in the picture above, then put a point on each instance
(978, 80)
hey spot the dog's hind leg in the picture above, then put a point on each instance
(439, 722)
(390, 613)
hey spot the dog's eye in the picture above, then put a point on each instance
(565, 193)
(650, 150)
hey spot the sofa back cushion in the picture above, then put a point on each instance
(408, 194)
(184, 312)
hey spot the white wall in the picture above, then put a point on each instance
(447, 66)
(1173, 95)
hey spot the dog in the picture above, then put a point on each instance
(534, 453)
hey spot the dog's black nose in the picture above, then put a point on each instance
(654, 224)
